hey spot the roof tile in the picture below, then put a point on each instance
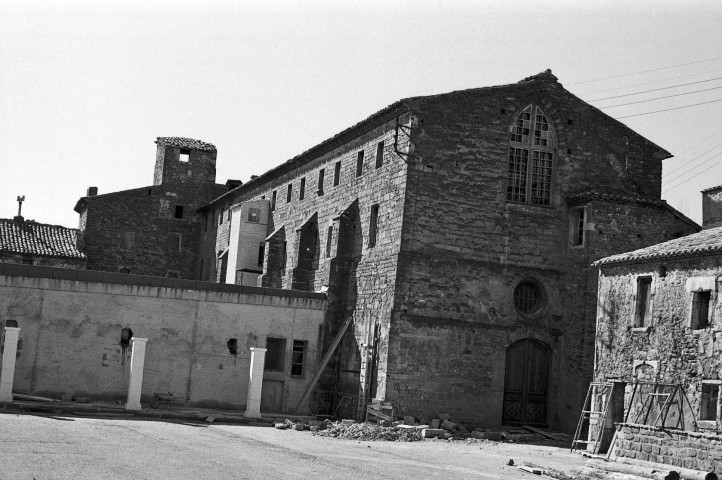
(183, 142)
(31, 238)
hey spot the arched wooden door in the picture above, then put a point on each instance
(526, 383)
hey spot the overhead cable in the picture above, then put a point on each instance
(655, 90)
(661, 98)
(690, 161)
(687, 180)
(669, 109)
(676, 77)
(646, 71)
(691, 170)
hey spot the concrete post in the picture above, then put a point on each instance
(7, 372)
(137, 360)
(255, 383)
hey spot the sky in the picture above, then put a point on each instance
(85, 87)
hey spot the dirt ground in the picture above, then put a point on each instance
(42, 446)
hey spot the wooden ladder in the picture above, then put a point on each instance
(597, 391)
(324, 362)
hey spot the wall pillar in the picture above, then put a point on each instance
(255, 383)
(7, 371)
(137, 360)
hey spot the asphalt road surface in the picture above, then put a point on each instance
(48, 447)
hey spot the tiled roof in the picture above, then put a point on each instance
(183, 142)
(31, 238)
(702, 243)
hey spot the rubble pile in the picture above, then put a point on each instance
(368, 431)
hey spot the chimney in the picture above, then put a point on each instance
(231, 184)
(92, 191)
(712, 207)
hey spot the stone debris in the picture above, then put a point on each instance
(367, 431)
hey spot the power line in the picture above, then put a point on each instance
(669, 109)
(662, 98)
(676, 77)
(655, 90)
(685, 181)
(673, 180)
(646, 71)
(690, 161)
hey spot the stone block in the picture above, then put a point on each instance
(447, 425)
(432, 433)
(435, 423)
(409, 420)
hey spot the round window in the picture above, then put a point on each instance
(527, 297)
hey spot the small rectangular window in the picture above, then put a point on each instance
(185, 155)
(373, 225)
(275, 354)
(178, 211)
(709, 405)
(289, 194)
(700, 309)
(229, 214)
(174, 243)
(220, 216)
(172, 274)
(577, 227)
(642, 315)
(321, 174)
(329, 241)
(254, 215)
(302, 189)
(360, 163)
(25, 260)
(261, 253)
(273, 201)
(337, 174)
(299, 350)
(380, 155)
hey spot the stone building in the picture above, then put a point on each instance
(455, 230)
(659, 332)
(153, 230)
(458, 231)
(33, 243)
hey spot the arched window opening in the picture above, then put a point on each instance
(531, 158)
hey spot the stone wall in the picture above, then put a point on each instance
(465, 248)
(693, 450)
(43, 261)
(669, 348)
(72, 322)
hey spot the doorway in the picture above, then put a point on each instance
(526, 383)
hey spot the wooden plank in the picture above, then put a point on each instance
(324, 362)
(540, 432)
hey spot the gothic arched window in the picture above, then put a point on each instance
(531, 158)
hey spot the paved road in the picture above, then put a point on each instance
(47, 447)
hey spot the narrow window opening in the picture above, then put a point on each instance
(700, 309)
(709, 410)
(360, 163)
(373, 225)
(261, 253)
(185, 156)
(273, 201)
(380, 155)
(229, 214)
(577, 227)
(321, 174)
(329, 241)
(299, 350)
(302, 189)
(124, 270)
(337, 174)
(178, 211)
(200, 271)
(220, 216)
(275, 354)
(642, 313)
(289, 193)
(172, 274)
